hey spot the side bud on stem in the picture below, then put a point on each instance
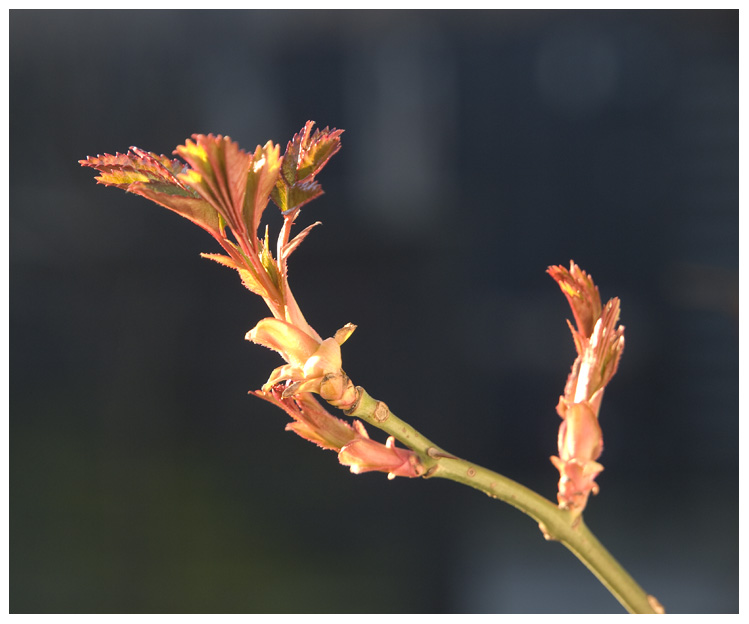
(599, 343)
(351, 441)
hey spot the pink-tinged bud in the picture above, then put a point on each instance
(580, 444)
(599, 343)
(338, 390)
(576, 483)
(366, 455)
(355, 449)
(580, 434)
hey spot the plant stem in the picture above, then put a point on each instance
(555, 523)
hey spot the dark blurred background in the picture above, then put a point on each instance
(480, 148)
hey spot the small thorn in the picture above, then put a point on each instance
(438, 454)
(547, 536)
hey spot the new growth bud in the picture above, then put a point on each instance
(599, 344)
(351, 441)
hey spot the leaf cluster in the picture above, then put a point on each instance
(225, 190)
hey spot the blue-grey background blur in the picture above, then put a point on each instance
(480, 147)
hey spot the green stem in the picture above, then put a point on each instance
(555, 523)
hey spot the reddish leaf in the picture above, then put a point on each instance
(122, 170)
(365, 455)
(307, 154)
(609, 342)
(268, 261)
(289, 198)
(582, 295)
(249, 279)
(264, 170)
(219, 175)
(289, 247)
(155, 178)
(312, 421)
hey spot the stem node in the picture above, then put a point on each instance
(381, 412)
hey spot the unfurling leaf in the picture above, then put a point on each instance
(155, 178)
(226, 190)
(290, 198)
(219, 175)
(289, 247)
(249, 280)
(311, 420)
(306, 154)
(265, 168)
(122, 170)
(268, 262)
(582, 295)
(196, 210)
